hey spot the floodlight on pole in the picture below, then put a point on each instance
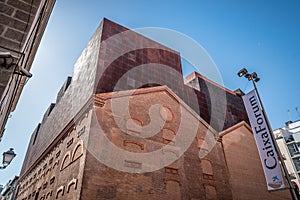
(242, 72)
(254, 78)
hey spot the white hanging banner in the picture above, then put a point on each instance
(266, 149)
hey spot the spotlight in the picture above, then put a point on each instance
(254, 75)
(242, 72)
(248, 76)
(256, 79)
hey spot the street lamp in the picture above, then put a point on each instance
(254, 78)
(8, 156)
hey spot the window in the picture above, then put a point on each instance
(207, 169)
(57, 154)
(78, 151)
(60, 190)
(293, 149)
(173, 188)
(134, 126)
(168, 136)
(72, 182)
(166, 113)
(210, 192)
(171, 170)
(297, 163)
(289, 138)
(66, 161)
(52, 180)
(69, 142)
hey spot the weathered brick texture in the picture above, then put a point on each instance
(6, 9)
(27, 7)
(16, 17)
(243, 161)
(14, 35)
(183, 179)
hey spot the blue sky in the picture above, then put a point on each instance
(260, 35)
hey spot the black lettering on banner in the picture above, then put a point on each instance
(271, 165)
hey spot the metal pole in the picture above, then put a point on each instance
(286, 174)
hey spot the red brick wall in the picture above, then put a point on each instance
(186, 181)
(59, 174)
(246, 173)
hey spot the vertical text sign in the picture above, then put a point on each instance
(266, 149)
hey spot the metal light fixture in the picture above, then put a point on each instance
(254, 75)
(8, 156)
(248, 76)
(254, 78)
(257, 79)
(242, 72)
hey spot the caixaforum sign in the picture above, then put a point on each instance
(266, 148)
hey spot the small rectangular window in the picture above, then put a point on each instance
(170, 170)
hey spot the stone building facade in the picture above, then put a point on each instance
(9, 191)
(22, 24)
(128, 126)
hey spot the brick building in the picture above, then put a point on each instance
(22, 24)
(127, 125)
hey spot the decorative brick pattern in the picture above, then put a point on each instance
(182, 179)
(47, 176)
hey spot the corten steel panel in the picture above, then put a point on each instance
(145, 61)
(74, 98)
(129, 61)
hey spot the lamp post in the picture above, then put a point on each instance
(254, 78)
(8, 156)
